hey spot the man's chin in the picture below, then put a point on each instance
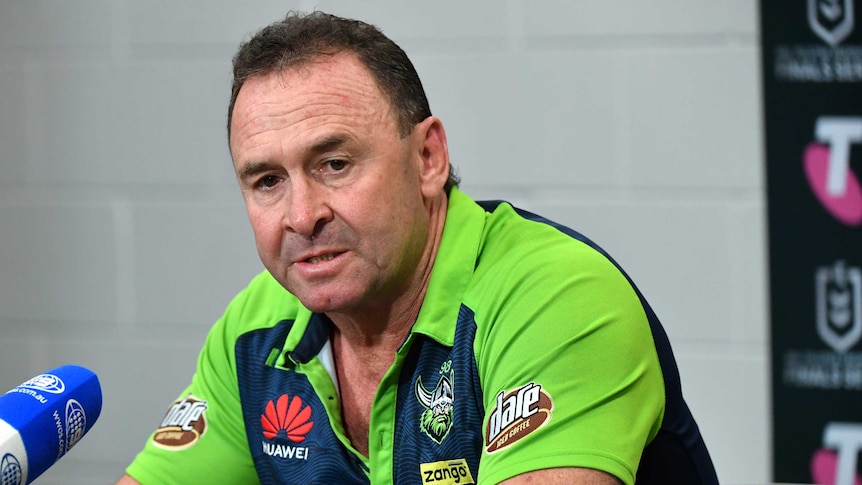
(323, 302)
(316, 298)
(328, 296)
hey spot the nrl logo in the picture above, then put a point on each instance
(436, 420)
(839, 305)
(831, 20)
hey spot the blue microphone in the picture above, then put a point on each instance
(41, 419)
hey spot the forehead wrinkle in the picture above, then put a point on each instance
(312, 114)
(303, 102)
(335, 82)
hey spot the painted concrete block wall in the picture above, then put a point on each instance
(123, 236)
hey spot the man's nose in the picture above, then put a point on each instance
(307, 208)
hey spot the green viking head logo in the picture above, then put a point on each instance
(436, 420)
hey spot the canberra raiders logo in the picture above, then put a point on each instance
(436, 420)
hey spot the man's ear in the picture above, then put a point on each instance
(433, 152)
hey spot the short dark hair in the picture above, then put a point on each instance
(302, 38)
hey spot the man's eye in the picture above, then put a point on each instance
(336, 165)
(267, 182)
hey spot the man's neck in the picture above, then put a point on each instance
(382, 326)
(364, 344)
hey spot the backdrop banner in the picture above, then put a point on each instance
(812, 89)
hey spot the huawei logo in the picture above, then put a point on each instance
(288, 415)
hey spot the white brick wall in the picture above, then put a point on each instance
(122, 236)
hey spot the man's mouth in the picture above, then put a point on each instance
(321, 258)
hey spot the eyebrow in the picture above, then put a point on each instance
(328, 143)
(323, 145)
(253, 168)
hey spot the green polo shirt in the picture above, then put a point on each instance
(532, 350)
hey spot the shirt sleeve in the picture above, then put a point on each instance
(569, 370)
(202, 437)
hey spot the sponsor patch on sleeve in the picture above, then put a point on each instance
(183, 425)
(516, 414)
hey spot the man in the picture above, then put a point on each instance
(403, 333)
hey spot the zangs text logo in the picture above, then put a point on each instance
(449, 472)
(184, 424)
(289, 418)
(827, 167)
(517, 414)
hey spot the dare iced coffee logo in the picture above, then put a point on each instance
(183, 425)
(827, 167)
(517, 414)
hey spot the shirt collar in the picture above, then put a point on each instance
(453, 268)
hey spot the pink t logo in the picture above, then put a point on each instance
(827, 166)
(831, 468)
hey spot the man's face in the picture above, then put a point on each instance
(332, 190)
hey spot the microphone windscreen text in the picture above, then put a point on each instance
(41, 419)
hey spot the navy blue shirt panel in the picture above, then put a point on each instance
(428, 369)
(318, 457)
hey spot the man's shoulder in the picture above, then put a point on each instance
(528, 264)
(518, 241)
